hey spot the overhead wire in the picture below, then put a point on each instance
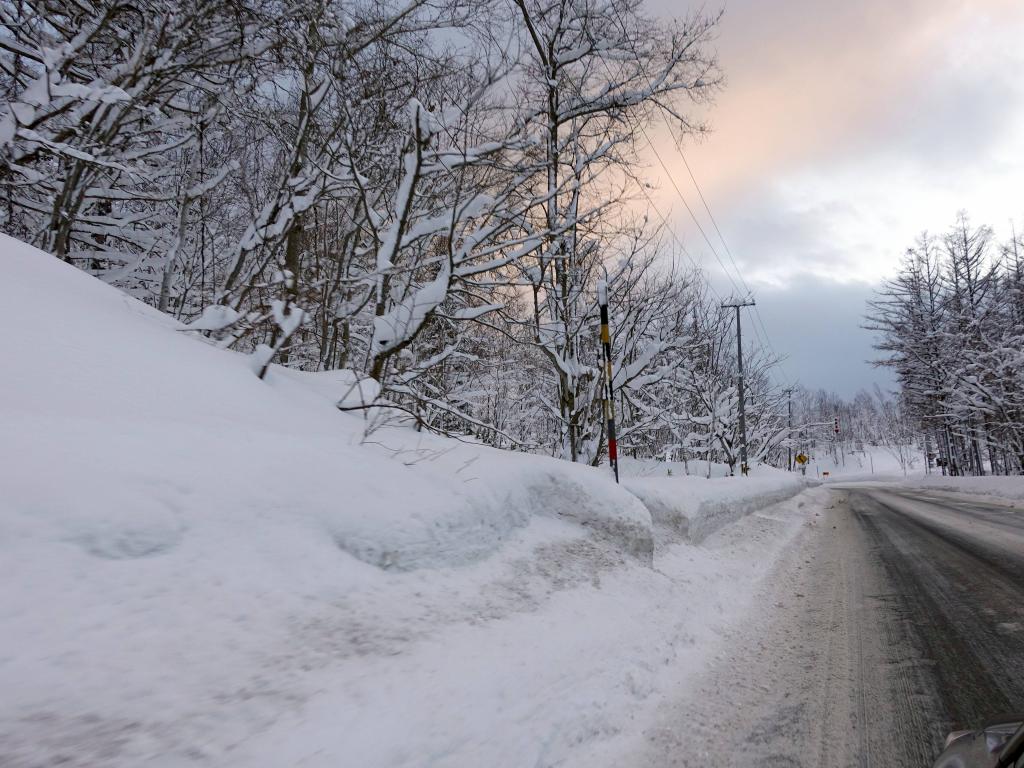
(766, 340)
(746, 290)
(761, 334)
(732, 260)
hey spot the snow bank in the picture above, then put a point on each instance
(569, 680)
(146, 437)
(999, 487)
(198, 567)
(165, 515)
(694, 507)
(631, 467)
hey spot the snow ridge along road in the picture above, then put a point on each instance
(200, 568)
(895, 617)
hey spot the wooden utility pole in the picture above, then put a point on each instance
(744, 468)
(789, 428)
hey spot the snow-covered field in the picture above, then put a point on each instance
(874, 462)
(198, 567)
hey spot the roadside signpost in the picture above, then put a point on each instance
(802, 459)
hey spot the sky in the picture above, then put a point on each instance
(843, 130)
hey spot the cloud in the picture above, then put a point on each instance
(843, 131)
(843, 201)
(807, 78)
(815, 324)
(776, 238)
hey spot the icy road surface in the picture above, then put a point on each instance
(897, 617)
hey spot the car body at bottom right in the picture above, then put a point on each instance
(999, 743)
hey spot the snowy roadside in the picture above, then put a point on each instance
(692, 508)
(991, 488)
(592, 649)
(552, 647)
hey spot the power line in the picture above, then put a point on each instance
(683, 198)
(760, 321)
(732, 260)
(678, 241)
(766, 341)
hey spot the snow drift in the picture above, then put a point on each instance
(162, 505)
(693, 507)
(146, 435)
(199, 567)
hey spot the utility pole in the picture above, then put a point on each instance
(835, 442)
(739, 358)
(789, 431)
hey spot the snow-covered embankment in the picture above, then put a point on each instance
(695, 507)
(200, 567)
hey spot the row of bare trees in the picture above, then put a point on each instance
(871, 421)
(425, 192)
(951, 325)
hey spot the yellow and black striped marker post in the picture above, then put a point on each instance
(609, 402)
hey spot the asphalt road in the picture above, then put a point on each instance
(956, 572)
(896, 617)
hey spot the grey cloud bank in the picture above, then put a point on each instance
(815, 324)
(844, 130)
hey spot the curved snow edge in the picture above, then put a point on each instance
(686, 511)
(517, 489)
(614, 515)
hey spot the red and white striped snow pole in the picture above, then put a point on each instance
(609, 401)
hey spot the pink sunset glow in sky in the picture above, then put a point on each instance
(843, 130)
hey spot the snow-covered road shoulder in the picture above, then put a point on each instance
(693, 507)
(199, 567)
(557, 660)
(996, 489)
